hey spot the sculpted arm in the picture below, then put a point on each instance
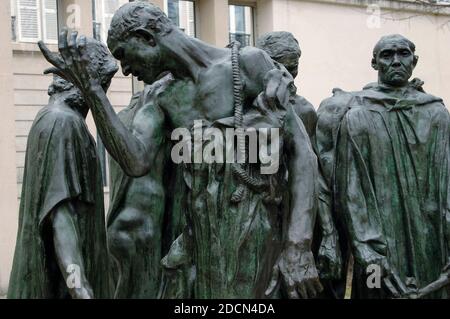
(134, 150)
(74, 64)
(296, 263)
(68, 250)
(303, 176)
(127, 149)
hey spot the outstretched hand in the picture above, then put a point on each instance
(72, 61)
(298, 272)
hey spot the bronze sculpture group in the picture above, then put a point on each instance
(367, 175)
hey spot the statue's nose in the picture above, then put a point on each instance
(396, 59)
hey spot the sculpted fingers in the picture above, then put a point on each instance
(72, 46)
(57, 72)
(318, 285)
(301, 288)
(63, 47)
(315, 287)
(51, 57)
(84, 57)
(311, 289)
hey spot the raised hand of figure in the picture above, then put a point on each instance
(298, 272)
(279, 88)
(329, 258)
(72, 62)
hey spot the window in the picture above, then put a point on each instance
(104, 12)
(241, 24)
(34, 20)
(182, 13)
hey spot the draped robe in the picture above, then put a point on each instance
(392, 184)
(61, 165)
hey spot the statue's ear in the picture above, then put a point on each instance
(374, 64)
(416, 59)
(147, 36)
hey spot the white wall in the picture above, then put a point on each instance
(337, 45)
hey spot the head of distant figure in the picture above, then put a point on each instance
(136, 38)
(283, 48)
(394, 59)
(101, 62)
(70, 93)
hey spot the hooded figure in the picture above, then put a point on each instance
(391, 178)
(61, 248)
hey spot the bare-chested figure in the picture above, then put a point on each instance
(137, 220)
(237, 248)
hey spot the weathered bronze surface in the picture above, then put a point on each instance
(61, 249)
(372, 166)
(385, 153)
(235, 218)
(284, 48)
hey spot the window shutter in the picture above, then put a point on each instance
(50, 16)
(28, 20)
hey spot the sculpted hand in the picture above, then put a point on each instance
(299, 274)
(279, 88)
(391, 280)
(72, 62)
(329, 258)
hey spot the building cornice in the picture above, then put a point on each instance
(423, 6)
(31, 47)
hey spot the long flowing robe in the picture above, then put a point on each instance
(392, 184)
(235, 245)
(61, 165)
(330, 114)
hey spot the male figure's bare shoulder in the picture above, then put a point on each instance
(254, 65)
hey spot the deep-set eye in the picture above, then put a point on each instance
(144, 34)
(386, 54)
(405, 52)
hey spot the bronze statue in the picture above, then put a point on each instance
(236, 229)
(391, 179)
(61, 248)
(284, 49)
(140, 223)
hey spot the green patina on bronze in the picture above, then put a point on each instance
(238, 249)
(284, 48)
(61, 241)
(141, 225)
(385, 151)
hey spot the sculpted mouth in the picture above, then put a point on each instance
(398, 72)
